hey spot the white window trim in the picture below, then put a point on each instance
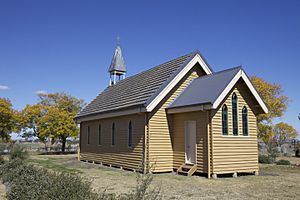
(235, 136)
(197, 59)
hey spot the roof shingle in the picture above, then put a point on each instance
(135, 90)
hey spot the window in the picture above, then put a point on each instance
(245, 121)
(130, 134)
(88, 135)
(99, 134)
(234, 115)
(224, 120)
(113, 134)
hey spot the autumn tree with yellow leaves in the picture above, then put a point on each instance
(284, 132)
(8, 119)
(277, 103)
(52, 117)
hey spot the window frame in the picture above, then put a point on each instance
(245, 123)
(113, 134)
(88, 135)
(99, 134)
(130, 134)
(235, 122)
(225, 121)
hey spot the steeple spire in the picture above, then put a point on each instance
(117, 69)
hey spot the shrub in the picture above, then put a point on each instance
(272, 152)
(9, 171)
(1, 160)
(264, 159)
(25, 181)
(18, 151)
(142, 189)
(1, 154)
(28, 182)
(297, 153)
(283, 162)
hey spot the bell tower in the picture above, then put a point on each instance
(117, 69)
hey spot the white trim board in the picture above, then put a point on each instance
(110, 114)
(240, 74)
(196, 59)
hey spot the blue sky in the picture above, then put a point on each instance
(67, 46)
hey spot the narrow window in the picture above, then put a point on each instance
(245, 121)
(113, 134)
(234, 115)
(88, 135)
(99, 134)
(225, 120)
(130, 134)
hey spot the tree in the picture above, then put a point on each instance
(60, 125)
(265, 132)
(276, 102)
(8, 119)
(59, 119)
(30, 121)
(284, 133)
(53, 117)
(272, 95)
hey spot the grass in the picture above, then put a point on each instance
(53, 164)
(274, 182)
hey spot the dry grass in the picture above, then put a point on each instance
(292, 159)
(274, 182)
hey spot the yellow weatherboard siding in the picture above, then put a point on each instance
(178, 138)
(234, 153)
(160, 144)
(120, 154)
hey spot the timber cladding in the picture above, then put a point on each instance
(160, 143)
(119, 154)
(234, 153)
(153, 108)
(178, 138)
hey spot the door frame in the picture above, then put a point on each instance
(194, 159)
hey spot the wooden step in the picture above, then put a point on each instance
(187, 169)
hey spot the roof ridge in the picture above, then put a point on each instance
(225, 70)
(171, 77)
(166, 66)
(229, 69)
(220, 72)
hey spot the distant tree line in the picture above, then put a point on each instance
(52, 117)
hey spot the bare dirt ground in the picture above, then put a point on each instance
(274, 182)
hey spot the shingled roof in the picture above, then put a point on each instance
(136, 90)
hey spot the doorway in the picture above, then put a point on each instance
(190, 142)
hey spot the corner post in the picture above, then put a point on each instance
(146, 145)
(208, 145)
